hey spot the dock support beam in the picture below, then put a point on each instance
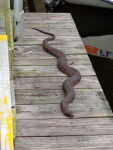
(5, 97)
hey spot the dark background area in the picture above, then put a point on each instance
(89, 20)
(104, 70)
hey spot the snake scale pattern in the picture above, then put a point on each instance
(73, 74)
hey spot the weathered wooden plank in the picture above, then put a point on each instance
(21, 71)
(82, 109)
(48, 60)
(48, 56)
(55, 24)
(80, 93)
(87, 82)
(71, 46)
(53, 20)
(101, 142)
(56, 32)
(48, 16)
(24, 97)
(61, 127)
(60, 40)
(31, 50)
(50, 99)
(83, 148)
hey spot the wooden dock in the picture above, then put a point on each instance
(40, 122)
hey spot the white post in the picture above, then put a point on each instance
(18, 21)
(18, 5)
(7, 110)
(6, 135)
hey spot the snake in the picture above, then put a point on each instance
(73, 74)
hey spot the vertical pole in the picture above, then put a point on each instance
(18, 20)
(18, 5)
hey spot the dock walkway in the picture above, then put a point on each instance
(38, 82)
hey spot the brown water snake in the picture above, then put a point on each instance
(73, 74)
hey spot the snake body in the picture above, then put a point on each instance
(73, 74)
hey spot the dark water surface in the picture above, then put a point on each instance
(104, 70)
(90, 21)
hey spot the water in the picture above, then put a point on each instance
(104, 70)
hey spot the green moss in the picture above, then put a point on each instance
(9, 32)
(8, 26)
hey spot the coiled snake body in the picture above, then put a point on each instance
(72, 73)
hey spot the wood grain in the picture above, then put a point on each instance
(65, 127)
(60, 25)
(52, 71)
(60, 40)
(32, 50)
(50, 61)
(47, 16)
(58, 32)
(101, 142)
(88, 82)
(82, 109)
(27, 97)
